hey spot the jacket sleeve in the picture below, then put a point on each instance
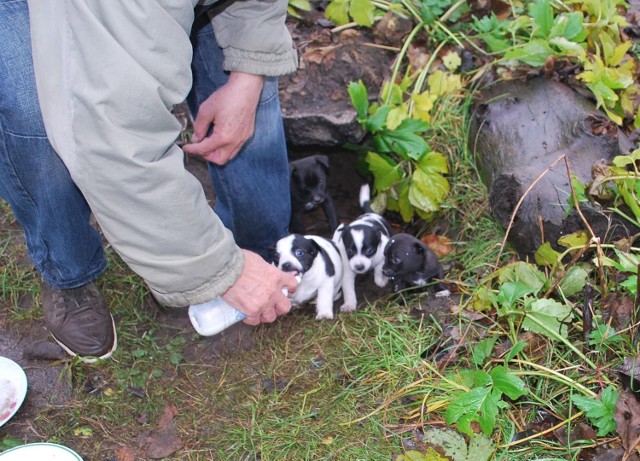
(254, 37)
(107, 75)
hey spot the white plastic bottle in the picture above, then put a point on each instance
(212, 317)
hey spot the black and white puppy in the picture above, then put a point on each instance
(361, 245)
(408, 262)
(309, 191)
(317, 261)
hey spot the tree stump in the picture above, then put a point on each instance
(522, 132)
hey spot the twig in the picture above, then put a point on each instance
(594, 238)
(517, 207)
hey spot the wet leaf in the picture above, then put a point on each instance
(385, 173)
(547, 316)
(577, 239)
(523, 272)
(452, 61)
(599, 412)
(573, 281)
(404, 140)
(546, 256)
(507, 383)
(480, 447)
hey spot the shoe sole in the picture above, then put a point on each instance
(89, 358)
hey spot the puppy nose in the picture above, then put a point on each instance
(358, 267)
(287, 267)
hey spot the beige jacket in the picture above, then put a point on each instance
(108, 73)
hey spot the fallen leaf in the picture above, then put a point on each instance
(319, 54)
(163, 441)
(627, 418)
(125, 454)
(617, 309)
(440, 244)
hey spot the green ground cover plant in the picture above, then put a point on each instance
(524, 364)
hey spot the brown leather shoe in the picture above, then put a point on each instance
(79, 320)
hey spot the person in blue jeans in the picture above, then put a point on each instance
(147, 205)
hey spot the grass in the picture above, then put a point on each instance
(362, 387)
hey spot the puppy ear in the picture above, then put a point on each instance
(323, 161)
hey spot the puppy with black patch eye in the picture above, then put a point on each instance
(361, 244)
(317, 261)
(408, 262)
(309, 190)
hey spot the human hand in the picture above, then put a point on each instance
(258, 292)
(232, 111)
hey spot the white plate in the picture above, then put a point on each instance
(40, 452)
(13, 388)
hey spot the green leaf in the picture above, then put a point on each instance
(510, 292)
(576, 240)
(546, 256)
(599, 412)
(523, 272)
(573, 281)
(507, 383)
(488, 412)
(362, 12)
(452, 61)
(631, 284)
(542, 15)
(466, 404)
(427, 191)
(548, 315)
(454, 446)
(403, 141)
(535, 53)
(378, 120)
(515, 350)
(359, 98)
(569, 26)
(385, 174)
(404, 204)
(483, 350)
(338, 12)
(433, 162)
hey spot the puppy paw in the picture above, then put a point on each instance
(443, 294)
(324, 316)
(380, 280)
(347, 308)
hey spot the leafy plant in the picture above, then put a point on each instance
(408, 175)
(599, 411)
(480, 398)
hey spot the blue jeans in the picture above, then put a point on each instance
(63, 245)
(252, 190)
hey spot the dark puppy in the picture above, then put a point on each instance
(408, 262)
(317, 261)
(361, 245)
(309, 191)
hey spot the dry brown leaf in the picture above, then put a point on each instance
(163, 441)
(627, 418)
(320, 54)
(126, 454)
(440, 244)
(617, 309)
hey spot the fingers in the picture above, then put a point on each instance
(214, 149)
